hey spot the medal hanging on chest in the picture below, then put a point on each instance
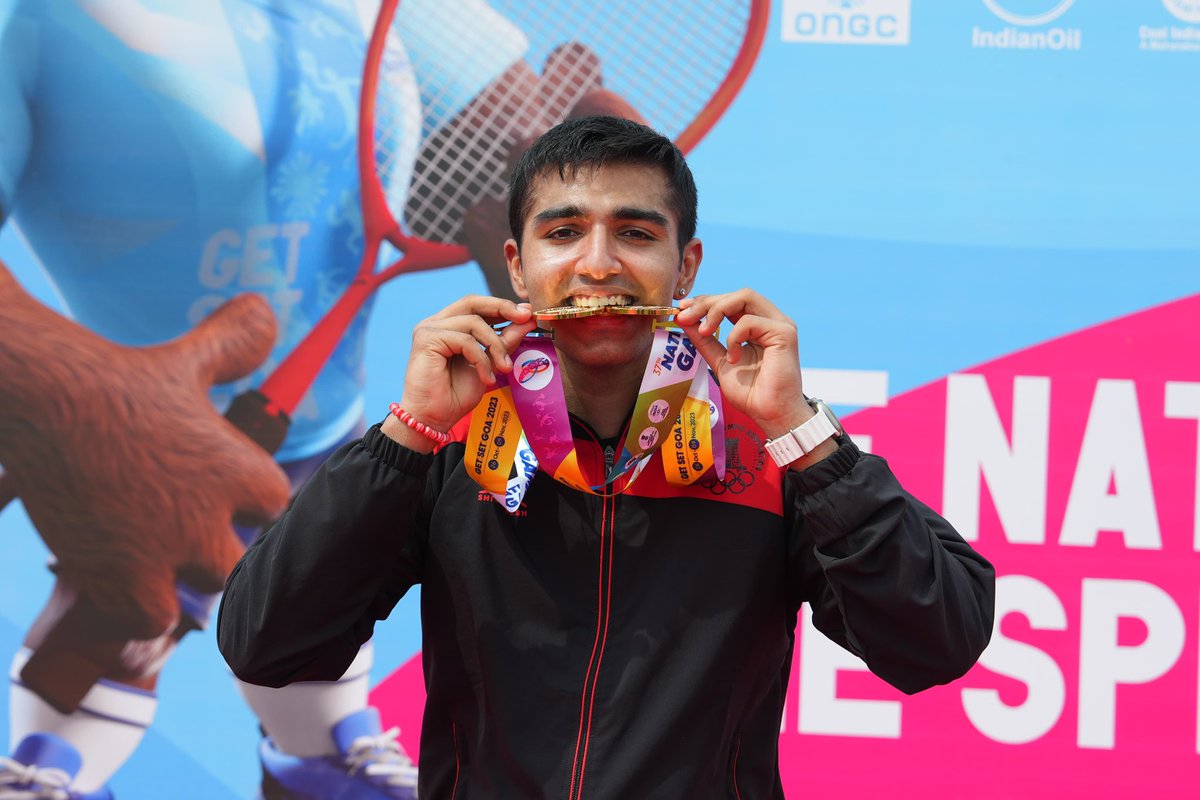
(521, 424)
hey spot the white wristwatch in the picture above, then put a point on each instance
(802, 440)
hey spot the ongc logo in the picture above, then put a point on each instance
(846, 21)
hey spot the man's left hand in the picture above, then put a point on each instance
(758, 367)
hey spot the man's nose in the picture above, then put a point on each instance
(599, 258)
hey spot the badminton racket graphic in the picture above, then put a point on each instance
(678, 64)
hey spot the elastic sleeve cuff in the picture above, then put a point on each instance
(394, 454)
(828, 470)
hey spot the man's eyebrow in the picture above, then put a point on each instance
(643, 215)
(558, 212)
(622, 213)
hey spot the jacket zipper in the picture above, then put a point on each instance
(587, 703)
(457, 759)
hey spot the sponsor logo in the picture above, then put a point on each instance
(880, 22)
(1186, 10)
(1027, 26)
(648, 437)
(533, 371)
(1173, 38)
(658, 411)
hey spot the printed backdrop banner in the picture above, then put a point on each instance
(984, 217)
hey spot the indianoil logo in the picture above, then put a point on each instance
(1027, 26)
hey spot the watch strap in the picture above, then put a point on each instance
(801, 440)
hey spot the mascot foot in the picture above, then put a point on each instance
(42, 768)
(370, 765)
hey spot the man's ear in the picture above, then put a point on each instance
(693, 254)
(512, 255)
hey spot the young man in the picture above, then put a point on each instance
(632, 641)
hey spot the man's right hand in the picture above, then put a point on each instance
(125, 468)
(455, 356)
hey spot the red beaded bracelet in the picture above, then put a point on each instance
(418, 426)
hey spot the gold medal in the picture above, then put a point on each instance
(578, 312)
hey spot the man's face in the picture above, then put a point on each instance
(604, 235)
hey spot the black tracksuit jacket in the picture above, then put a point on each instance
(635, 646)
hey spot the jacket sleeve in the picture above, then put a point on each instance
(887, 578)
(306, 594)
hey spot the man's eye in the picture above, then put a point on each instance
(560, 233)
(638, 233)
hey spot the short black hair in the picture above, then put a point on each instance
(596, 141)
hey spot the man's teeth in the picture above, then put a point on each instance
(598, 302)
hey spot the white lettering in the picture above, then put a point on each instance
(228, 254)
(978, 448)
(1113, 449)
(1104, 663)
(259, 251)
(1047, 689)
(293, 232)
(850, 387)
(1183, 402)
(217, 270)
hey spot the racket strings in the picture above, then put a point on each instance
(469, 159)
(398, 120)
(667, 59)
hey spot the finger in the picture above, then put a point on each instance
(230, 342)
(482, 363)
(513, 335)
(732, 306)
(752, 329)
(451, 343)
(492, 310)
(485, 336)
(493, 343)
(698, 312)
(709, 347)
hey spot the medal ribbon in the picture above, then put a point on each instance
(522, 422)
